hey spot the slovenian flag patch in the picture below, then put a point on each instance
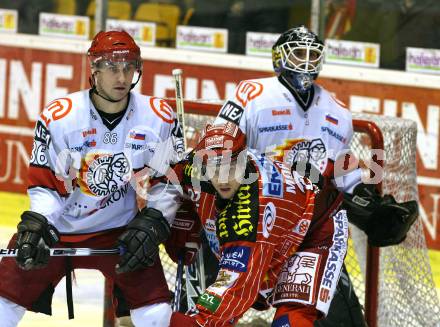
(137, 136)
(331, 119)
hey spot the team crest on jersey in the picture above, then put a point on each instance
(102, 174)
(302, 150)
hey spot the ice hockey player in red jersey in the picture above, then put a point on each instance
(293, 119)
(87, 147)
(259, 219)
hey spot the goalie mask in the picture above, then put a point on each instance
(297, 57)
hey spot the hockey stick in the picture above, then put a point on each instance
(177, 73)
(68, 252)
(195, 272)
(178, 290)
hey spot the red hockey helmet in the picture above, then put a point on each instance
(114, 46)
(220, 143)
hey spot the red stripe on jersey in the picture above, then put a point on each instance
(44, 177)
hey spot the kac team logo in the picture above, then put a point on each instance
(104, 174)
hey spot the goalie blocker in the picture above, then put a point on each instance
(385, 221)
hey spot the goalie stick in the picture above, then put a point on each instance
(194, 273)
(68, 252)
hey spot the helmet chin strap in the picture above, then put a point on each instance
(94, 89)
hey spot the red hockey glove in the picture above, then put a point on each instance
(179, 319)
(185, 234)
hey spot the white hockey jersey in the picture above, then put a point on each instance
(81, 174)
(276, 124)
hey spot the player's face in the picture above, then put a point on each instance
(226, 178)
(114, 79)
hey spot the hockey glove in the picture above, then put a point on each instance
(385, 221)
(185, 234)
(34, 237)
(141, 240)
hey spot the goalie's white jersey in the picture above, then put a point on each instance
(81, 174)
(276, 124)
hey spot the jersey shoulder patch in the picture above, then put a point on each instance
(162, 109)
(247, 91)
(64, 110)
(341, 104)
(56, 110)
(329, 97)
(232, 112)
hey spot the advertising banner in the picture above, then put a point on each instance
(202, 38)
(75, 27)
(352, 53)
(423, 60)
(144, 33)
(30, 78)
(8, 21)
(260, 44)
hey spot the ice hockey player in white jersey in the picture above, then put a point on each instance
(89, 147)
(293, 119)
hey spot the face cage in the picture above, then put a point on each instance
(291, 61)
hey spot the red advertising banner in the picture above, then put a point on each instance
(30, 78)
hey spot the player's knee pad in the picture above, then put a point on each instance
(10, 313)
(157, 314)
